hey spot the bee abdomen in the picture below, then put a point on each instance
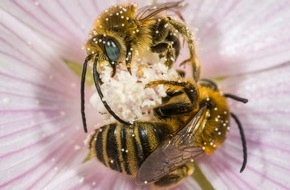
(124, 148)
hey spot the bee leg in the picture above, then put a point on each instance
(189, 88)
(176, 175)
(187, 34)
(170, 94)
(170, 56)
(178, 108)
(176, 46)
(174, 41)
(166, 48)
(128, 58)
(181, 73)
(160, 47)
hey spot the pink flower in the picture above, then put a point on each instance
(244, 44)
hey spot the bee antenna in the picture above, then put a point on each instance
(83, 78)
(237, 98)
(98, 87)
(243, 138)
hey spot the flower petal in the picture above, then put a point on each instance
(65, 26)
(240, 36)
(40, 114)
(266, 124)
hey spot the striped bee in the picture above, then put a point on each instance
(124, 33)
(193, 119)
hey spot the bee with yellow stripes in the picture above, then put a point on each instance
(125, 33)
(193, 119)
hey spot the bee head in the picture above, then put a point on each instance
(107, 45)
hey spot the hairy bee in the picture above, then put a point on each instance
(123, 31)
(193, 119)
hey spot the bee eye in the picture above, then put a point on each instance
(112, 50)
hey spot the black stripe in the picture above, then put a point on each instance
(138, 150)
(99, 145)
(124, 148)
(112, 148)
(159, 134)
(143, 134)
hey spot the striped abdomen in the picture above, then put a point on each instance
(124, 148)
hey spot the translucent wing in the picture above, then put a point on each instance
(150, 11)
(174, 152)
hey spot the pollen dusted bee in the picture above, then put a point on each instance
(193, 119)
(123, 31)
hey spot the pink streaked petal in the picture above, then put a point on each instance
(36, 142)
(93, 175)
(40, 126)
(240, 36)
(64, 25)
(266, 124)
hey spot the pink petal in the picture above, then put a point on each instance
(240, 36)
(266, 124)
(40, 128)
(64, 25)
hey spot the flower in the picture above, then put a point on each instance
(243, 44)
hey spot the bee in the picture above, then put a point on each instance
(193, 120)
(123, 31)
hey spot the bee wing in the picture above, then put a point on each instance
(147, 12)
(173, 153)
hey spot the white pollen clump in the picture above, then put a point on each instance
(126, 94)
